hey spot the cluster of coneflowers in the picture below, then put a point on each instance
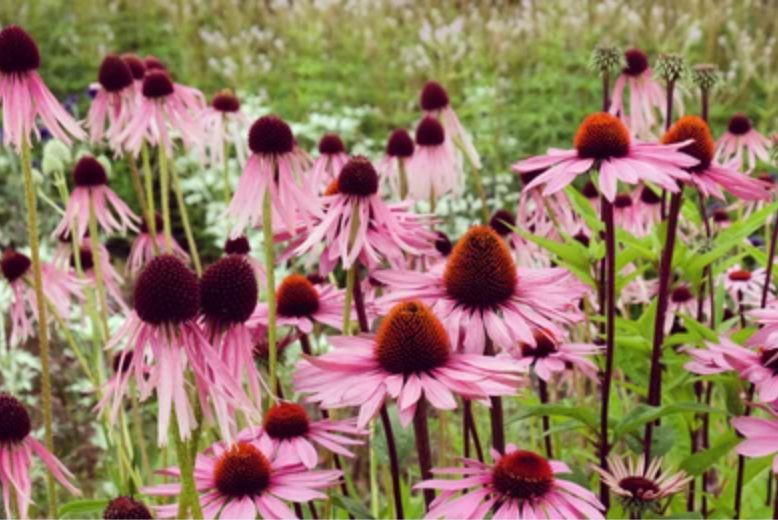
(387, 311)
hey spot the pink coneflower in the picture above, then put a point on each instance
(434, 169)
(142, 249)
(711, 360)
(111, 278)
(682, 300)
(241, 481)
(229, 292)
(224, 126)
(91, 189)
(300, 304)
(137, 68)
(549, 356)
(60, 289)
(288, 431)
(648, 211)
(603, 142)
(434, 101)
(479, 292)
(24, 96)
(625, 213)
(394, 164)
(720, 218)
(707, 175)
(641, 488)
(646, 95)
(761, 435)
(743, 286)
(759, 366)
(409, 357)
(121, 508)
(16, 450)
(332, 158)
(740, 137)
(520, 484)
(164, 107)
(164, 339)
(359, 225)
(114, 100)
(276, 164)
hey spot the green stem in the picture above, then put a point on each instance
(403, 178)
(188, 499)
(73, 344)
(479, 185)
(138, 187)
(374, 503)
(226, 172)
(43, 333)
(137, 427)
(267, 229)
(164, 188)
(94, 240)
(149, 180)
(190, 241)
(351, 274)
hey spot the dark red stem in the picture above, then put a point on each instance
(610, 336)
(498, 424)
(421, 432)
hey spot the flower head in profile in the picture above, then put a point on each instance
(276, 165)
(744, 286)
(114, 101)
(59, 288)
(91, 189)
(434, 101)
(111, 278)
(23, 95)
(549, 356)
(146, 243)
(742, 142)
(641, 488)
(359, 225)
(288, 430)
(707, 175)
(603, 142)
(332, 158)
(394, 164)
(518, 485)
(434, 169)
(409, 357)
(17, 448)
(224, 128)
(479, 292)
(242, 481)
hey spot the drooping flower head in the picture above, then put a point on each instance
(359, 225)
(744, 286)
(90, 187)
(144, 245)
(114, 100)
(24, 97)
(121, 508)
(549, 356)
(16, 450)
(518, 485)
(276, 164)
(332, 157)
(409, 357)
(742, 139)
(224, 128)
(137, 67)
(479, 292)
(242, 481)
(434, 101)
(707, 175)
(399, 150)
(602, 141)
(111, 278)
(434, 169)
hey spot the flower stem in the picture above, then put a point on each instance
(43, 332)
(190, 241)
(543, 391)
(768, 277)
(188, 499)
(609, 296)
(138, 187)
(403, 178)
(94, 242)
(164, 195)
(351, 274)
(470, 421)
(149, 181)
(393, 463)
(498, 424)
(267, 230)
(421, 432)
(479, 185)
(226, 172)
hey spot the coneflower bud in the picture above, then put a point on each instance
(358, 177)
(225, 101)
(126, 508)
(157, 84)
(433, 97)
(270, 135)
(606, 59)
(400, 144)
(670, 67)
(89, 172)
(135, 63)
(430, 132)
(237, 246)
(705, 76)
(229, 291)
(18, 51)
(331, 144)
(14, 265)
(114, 74)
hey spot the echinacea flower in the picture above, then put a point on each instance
(758, 366)
(707, 175)
(142, 249)
(59, 288)
(24, 96)
(288, 431)
(121, 508)
(332, 158)
(163, 340)
(761, 435)
(434, 101)
(434, 169)
(359, 225)
(741, 138)
(137, 69)
(276, 164)
(682, 300)
(648, 211)
(744, 286)
(241, 481)
(549, 356)
(112, 280)
(300, 304)
(393, 167)
(114, 100)
(409, 357)
(224, 127)
(479, 292)
(518, 485)
(91, 190)
(641, 488)
(602, 141)
(16, 450)
(625, 213)
(164, 107)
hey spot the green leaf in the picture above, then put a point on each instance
(82, 508)
(643, 413)
(582, 414)
(697, 463)
(354, 507)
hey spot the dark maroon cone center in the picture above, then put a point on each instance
(622, 200)
(638, 486)
(157, 84)
(122, 361)
(500, 221)
(137, 68)
(681, 295)
(14, 265)
(637, 62)
(720, 215)
(739, 124)
(400, 144)
(153, 63)
(358, 177)
(18, 51)
(270, 135)
(331, 144)
(84, 257)
(15, 422)
(769, 358)
(229, 290)
(144, 228)
(433, 97)
(126, 508)
(237, 246)
(430, 132)
(527, 177)
(89, 173)
(443, 244)
(114, 74)
(647, 196)
(225, 101)
(167, 291)
(590, 190)
(543, 347)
